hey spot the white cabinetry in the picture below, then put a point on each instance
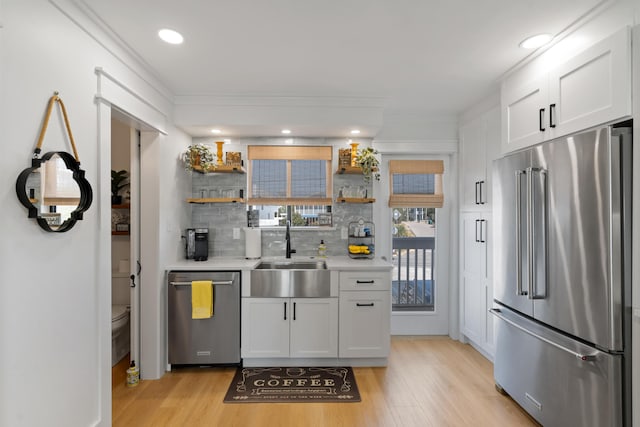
(480, 145)
(289, 327)
(592, 88)
(477, 290)
(365, 314)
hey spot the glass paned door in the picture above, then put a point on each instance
(413, 250)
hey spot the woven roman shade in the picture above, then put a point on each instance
(287, 187)
(416, 183)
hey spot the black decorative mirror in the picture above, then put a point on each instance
(54, 189)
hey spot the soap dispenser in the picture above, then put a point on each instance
(322, 250)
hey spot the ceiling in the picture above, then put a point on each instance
(420, 58)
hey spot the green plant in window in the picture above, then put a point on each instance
(368, 162)
(199, 156)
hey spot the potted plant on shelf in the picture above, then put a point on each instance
(118, 182)
(199, 157)
(368, 162)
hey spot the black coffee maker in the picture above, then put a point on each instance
(197, 245)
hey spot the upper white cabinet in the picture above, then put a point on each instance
(479, 146)
(592, 88)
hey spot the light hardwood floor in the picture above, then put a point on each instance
(430, 381)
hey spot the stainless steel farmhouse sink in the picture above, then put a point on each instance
(292, 265)
(297, 279)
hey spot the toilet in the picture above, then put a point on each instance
(119, 332)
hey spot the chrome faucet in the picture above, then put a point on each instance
(287, 237)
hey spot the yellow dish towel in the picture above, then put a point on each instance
(201, 299)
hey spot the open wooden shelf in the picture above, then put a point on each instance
(119, 233)
(221, 169)
(122, 206)
(216, 200)
(349, 170)
(354, 200)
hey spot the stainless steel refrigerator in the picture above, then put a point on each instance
(562, 278)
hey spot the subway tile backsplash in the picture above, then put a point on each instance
(222, 218)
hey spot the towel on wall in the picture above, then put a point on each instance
(201, 299)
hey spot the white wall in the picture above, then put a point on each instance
(55, 329)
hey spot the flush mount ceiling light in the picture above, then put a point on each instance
(286, 131)
(170, 36)
(216, 131)
(536, 41)
(355, 131)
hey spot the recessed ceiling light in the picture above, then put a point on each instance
(535, 41)
(170, 36)
(216, 131)
(286, 131)
(355, 132)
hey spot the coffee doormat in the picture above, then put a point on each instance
(253, 385)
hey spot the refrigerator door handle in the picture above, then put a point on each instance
(581, 356)
(536, 237)
(519, 290)
(530, 241)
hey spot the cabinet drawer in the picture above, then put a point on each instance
(365, 280)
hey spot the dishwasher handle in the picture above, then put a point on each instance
(226, 282)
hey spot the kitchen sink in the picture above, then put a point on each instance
(291, 279)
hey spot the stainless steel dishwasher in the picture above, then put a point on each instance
(204, 341)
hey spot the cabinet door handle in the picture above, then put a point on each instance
(477, 240)
(294, 311)
(285, 311)
(364, 305)
(370, 282)
(477, 183)
(482, 226)
(541, 120)
(552, 110)
(481, 198)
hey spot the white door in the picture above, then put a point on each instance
(472, 142)
(364, 324)
(592, 88)
(314, 327)
(525, 115)
(134, 236)
(420, 276)
(473, 253)
(265, 327)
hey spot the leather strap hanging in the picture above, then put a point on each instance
(72, 164)
(55, 98)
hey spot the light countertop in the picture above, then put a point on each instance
(237, 263)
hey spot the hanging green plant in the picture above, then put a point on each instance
(199, 157)
(368, 162)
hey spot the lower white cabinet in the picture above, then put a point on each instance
(365, 313)
(365, 323)
(289, 327)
